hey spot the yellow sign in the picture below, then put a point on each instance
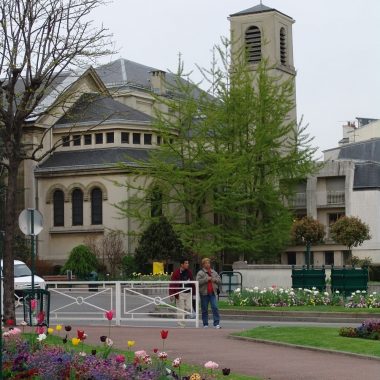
(158, 267)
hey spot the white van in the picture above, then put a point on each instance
(23, 277)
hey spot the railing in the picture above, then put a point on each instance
(330, 198)
(130, 300)
(297, 200)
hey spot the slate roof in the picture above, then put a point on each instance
(261, 8)
(368, 150)
(92, 159)
(98, 108)
(124, 72)
(367, 175)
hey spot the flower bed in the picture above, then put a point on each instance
(46, 354)
(279, 297)
(367, 330)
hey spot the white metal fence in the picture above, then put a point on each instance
(130, 300)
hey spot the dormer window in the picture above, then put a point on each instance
(283, 55)
(253, 44)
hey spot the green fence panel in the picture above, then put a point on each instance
(36, 307)
(309, 278)
(349, 280)
(230, 281)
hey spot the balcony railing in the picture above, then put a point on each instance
(297, 200)
(335, 197)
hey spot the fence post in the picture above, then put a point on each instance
(197, 304)
(118, 302)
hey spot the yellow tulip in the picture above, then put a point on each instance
(131, 343)
(50, 330)
(58, 327)
(75, 341)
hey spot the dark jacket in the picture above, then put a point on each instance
(176, 276)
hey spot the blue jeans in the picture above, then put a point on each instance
(205, 300)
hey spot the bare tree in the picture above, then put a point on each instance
(109, 249)
(40, 40)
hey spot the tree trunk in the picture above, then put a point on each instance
(9, 236)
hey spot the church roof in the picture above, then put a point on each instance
(98, 108)
(261, 8)
(88, 159)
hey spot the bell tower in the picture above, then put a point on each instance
(265, 33)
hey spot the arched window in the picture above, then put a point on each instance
(253, 44)
(283, 55)
(96, 206)
(77, 205)
(58, 208)
(156, 203)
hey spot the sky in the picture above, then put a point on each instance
(336, 46)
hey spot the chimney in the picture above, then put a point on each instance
(157, 81)
(348, 128)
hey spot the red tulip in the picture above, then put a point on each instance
(155, 350)
(40, 317)
(109, 315)
(164, 334)
(10, 322)
(40, 330)
(33, 304)
(80, 334)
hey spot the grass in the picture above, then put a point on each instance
(185, 368)
(320, 337)
(223, 305)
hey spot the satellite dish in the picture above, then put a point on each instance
(25, 221)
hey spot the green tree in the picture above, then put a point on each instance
(350, 231)
(229, 160)
(158, 242)
(81, 262)
(40, 40)
(307, 231)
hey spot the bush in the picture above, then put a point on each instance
(129, 266)
(367, 330)
(81, 262)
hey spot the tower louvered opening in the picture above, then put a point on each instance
(253, 44)
(283, 55)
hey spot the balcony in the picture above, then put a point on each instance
(330, 198)
(298, 200)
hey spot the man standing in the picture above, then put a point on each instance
(182, 292)
(209, 281)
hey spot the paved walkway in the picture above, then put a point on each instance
(196, 346)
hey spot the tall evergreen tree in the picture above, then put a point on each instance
(229, 160)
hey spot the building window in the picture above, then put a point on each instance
(98, 138)
(253, 44)
(125, 137)
(96, 206)
(158, 140)
(147, 139)
(292, 258)
(136, 138)
(66, 141)
(77, 207)
(347, 258)
(329, 258)
(156, 203)
(283, 57)
(87, 139)
(58, 208)
(110, 137)
(76, 140)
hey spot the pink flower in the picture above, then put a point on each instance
(109, 314)
(140, 354)
(120, 359)
(33, 304)
(40, 317)
(147, 359)
(177, 362)
(211, 365)
(162, 355)
(15, 331)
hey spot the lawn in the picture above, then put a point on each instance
(224, 305)
(320, 337)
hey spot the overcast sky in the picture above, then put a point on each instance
(336, 49)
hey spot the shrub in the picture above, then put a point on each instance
(129, 266)
(367, 330)
(81, 261)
